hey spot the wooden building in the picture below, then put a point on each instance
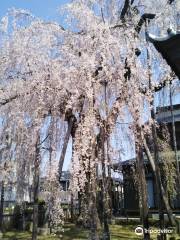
(131, 199)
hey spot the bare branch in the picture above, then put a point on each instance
(8, 100)
(44, 140)
(125, 9)
(144, 17)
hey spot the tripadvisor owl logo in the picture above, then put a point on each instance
(139, 231)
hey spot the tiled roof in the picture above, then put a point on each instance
(169, 47)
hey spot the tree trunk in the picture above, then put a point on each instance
(2, 206)
(175, 145)
(72, 207)
(36, 190)
(71, 120)
(161, 191)
(106, 233)
(80, 202)
(23, 216)
(93, 213)
(144, 209)
(110, 195)
(92, 195)
(109, 183)
(159, 187)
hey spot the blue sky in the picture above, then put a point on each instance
(46, 9)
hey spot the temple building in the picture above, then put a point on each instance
(169, 47)
(131, 199)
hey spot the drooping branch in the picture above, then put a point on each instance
(164, 83)
(125, 9)
(3, 102)
(143, 19)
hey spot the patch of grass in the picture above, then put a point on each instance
(72, 232)
(124, 232)
(25, 236)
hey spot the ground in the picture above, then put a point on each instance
(71, 232)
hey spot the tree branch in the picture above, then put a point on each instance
(144, 17)
(161, 85)
(124, 10)
(8, 100)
